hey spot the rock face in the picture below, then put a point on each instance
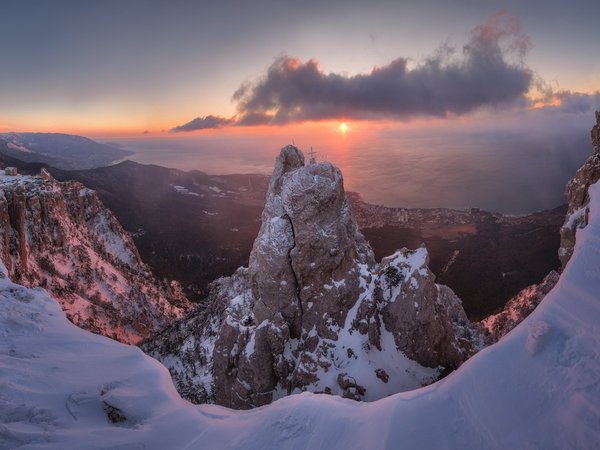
(578, 198)
(314, 311)
(60, 237)
(518, 307)
(576, 192)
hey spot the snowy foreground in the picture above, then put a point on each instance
(539, 387)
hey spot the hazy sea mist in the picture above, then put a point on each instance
(512, 173)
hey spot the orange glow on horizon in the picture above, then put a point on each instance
(323, 131)
(538, 104)
(97, 125)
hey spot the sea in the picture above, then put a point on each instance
(510, 173)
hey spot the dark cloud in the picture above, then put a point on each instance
(203, 123)
(489, 72)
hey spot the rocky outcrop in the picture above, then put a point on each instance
(578, 198)
(314, 311)
(596, 134)
(60, 237)
(518, 308)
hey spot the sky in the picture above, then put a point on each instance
(128, 67)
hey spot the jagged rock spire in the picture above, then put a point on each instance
(314, 311)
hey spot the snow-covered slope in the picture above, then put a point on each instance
(61, 237)
(54, 378)
(537, 388)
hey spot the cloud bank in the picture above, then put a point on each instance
(203, 123)
(576, 103)
(489, 72)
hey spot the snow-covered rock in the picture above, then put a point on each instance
(314, 311)
(59, 236)
(578, 197)
(518, 307)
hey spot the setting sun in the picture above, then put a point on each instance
(343, 128)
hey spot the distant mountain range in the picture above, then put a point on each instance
(64, 151)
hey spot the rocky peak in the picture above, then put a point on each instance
(313, 310)
(308, 239)
(59, 236)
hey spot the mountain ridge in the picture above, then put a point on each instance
(65, 151)
(59, 236)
